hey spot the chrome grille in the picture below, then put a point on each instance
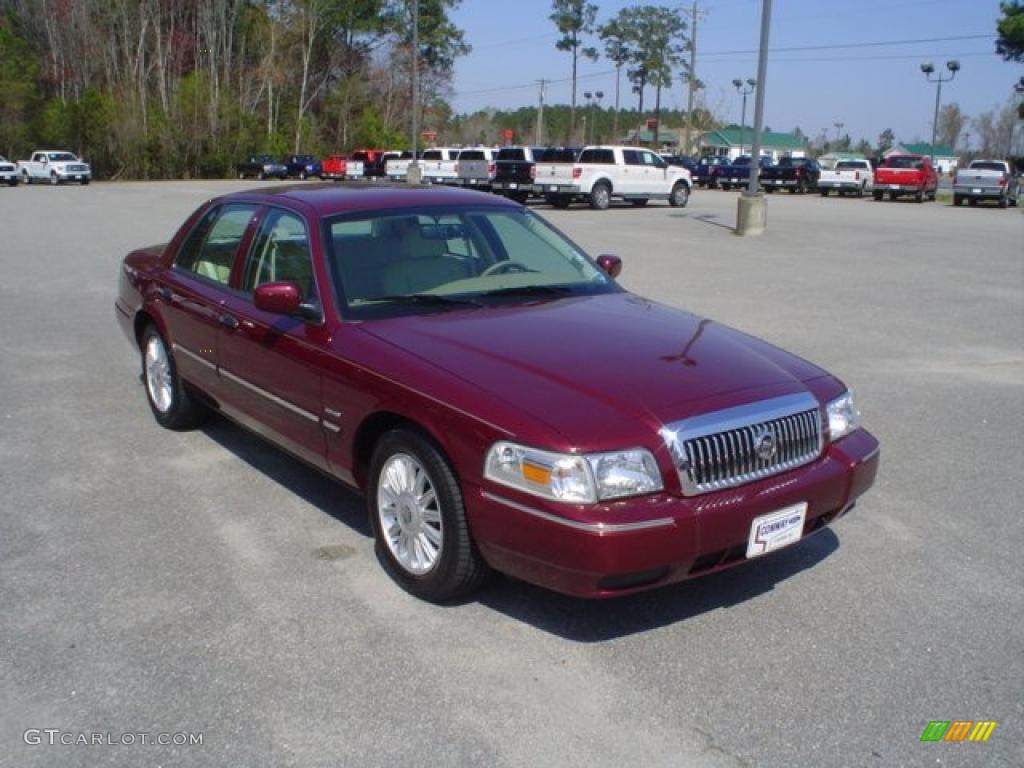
(737, 445)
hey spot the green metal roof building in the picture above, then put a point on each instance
(735, 141)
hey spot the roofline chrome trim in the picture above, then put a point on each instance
(599, 528)
(193, 356)
(269, 396)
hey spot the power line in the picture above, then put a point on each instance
(788, 49)
(794, 48)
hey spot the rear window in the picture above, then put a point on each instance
(472, 154)
(432, 154)
(851, 165)
(597, 156)
(512, 153)
(976, 166)
(904, 162)
(558, 155)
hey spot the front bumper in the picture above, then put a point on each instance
(650, 541)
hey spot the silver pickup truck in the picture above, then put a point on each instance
(474, 167)
(986, 180)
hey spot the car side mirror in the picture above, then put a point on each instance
(278, 298)
(612, 265)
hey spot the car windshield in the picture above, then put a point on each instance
(429, 260)
(905, 162)
(61, 157)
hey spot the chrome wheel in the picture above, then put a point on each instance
(158, 375)
(410, 514)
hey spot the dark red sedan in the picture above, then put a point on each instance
(500, 400)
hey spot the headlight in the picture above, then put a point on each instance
(571, 478)
(843, 416)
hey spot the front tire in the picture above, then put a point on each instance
(680, 195)
(173, 407)
(600, 197)
(419, 519)
(302, 175)
(54, 180)
(958, 200)
(876, 196)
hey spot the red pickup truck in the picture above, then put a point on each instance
(906, 175)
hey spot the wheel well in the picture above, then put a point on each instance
(604, 182)
(366, 438)
(142, 319)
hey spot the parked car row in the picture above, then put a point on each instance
(46, 165)
(898, 176)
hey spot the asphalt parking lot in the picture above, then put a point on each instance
(205, 583)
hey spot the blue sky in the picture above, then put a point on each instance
(866, 88)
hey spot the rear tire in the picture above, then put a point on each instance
(1003, 202)
(958, 200)
(824, 193)
(302, 175)
(54, 180)
(919, 196)
(419, 522)
(876, 196)
(600, 196)
(13, 181)
(172, 406)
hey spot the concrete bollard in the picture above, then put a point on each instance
(751, 214)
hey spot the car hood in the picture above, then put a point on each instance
(591, 366)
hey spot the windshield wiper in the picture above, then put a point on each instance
(423, 299)
(529, 290)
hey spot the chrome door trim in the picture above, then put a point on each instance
(270, 396)
(193, 356)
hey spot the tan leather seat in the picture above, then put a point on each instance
(422, 265)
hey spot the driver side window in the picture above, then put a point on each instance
(280, 253)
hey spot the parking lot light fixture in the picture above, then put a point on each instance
(744, 90)
(929, 70)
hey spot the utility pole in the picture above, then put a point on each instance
(539, 133)
(413, 173)
(692, 75)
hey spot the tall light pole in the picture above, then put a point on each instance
(598, 95)
(839, 129)
(751, 210)
(744, 90)
(928, 68)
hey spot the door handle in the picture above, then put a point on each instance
(165, 293)
(228, 321)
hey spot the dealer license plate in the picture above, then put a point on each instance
(894, 186)
(552, 188)
(776, 529)
(976, 191)
(512, 186)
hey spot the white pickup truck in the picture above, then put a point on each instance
(55, 167)
(8, 172)
(986, 180)
(439, 165)
(602, 173)
(847, 177)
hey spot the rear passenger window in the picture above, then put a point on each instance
(280, 253)
(631, 156)
(209, 250)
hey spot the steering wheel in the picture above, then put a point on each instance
(506, 266)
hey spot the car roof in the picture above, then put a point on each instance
(329, 199)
